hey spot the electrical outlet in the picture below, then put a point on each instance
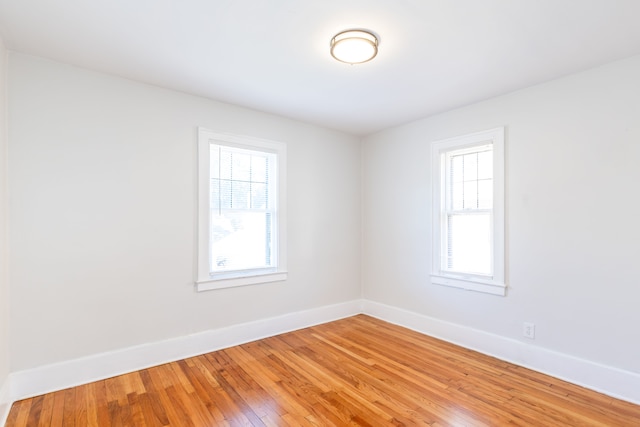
(529, 330)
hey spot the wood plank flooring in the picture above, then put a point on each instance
(358, 371)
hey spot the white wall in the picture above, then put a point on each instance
(4, 285)
(573, 240)
(103, 214)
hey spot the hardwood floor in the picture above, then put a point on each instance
(356, 371)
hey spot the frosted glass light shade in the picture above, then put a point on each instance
(354, 46)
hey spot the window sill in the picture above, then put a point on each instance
(471, 284)
(232, 282)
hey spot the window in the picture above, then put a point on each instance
(241, 211)
(468, 212)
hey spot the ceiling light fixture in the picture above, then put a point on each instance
(354, 46)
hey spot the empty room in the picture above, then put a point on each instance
(329, 213)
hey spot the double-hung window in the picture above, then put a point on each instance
(468, 212)
(241, 211)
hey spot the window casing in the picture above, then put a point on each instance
(468, 212)
(241, 226)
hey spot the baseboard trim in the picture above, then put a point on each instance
(604, 379)
(45, 379)
(5, 401)
(611, 381)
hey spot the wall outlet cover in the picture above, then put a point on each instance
(529, 330)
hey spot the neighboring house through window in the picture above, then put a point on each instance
(241, 211)
(468, 212)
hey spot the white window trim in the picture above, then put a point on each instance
(205, 281)
(494, 284)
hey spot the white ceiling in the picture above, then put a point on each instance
(273, 55)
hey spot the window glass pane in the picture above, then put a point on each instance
(485, 165)
(214, 161)
(240, 240)
(457, 196)
(241, 223)
(470, 164)
(469, 243)
(225, 194)
(239, 179)
(485, 194)
(225, 164)
(468, 179)
(259, 196)
(241, 167)
(215, 193)
(259, 169)
(456, 171)
(240, 194)
(470, 194)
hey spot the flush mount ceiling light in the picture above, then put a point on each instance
(354, 46)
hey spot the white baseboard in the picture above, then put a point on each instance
(5, 401)
(44, 379)
(32, 382)
(604, 379)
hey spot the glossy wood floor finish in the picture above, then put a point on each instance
(357, 371)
